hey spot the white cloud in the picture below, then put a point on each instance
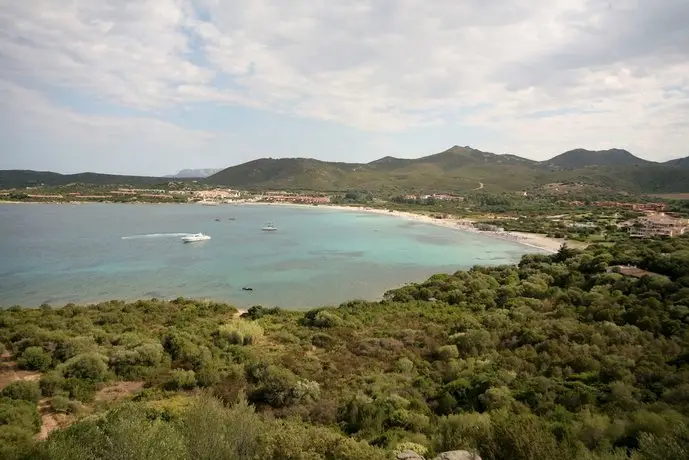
(65, 140)
(597, 73)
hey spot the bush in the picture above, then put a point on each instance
(447, 352)
(463, 431)
(181, 380)
(258, 312)
(62, 404)
(15, 443)
(124, 433)
(211, 431)
(326, 319)
(240, 332)
(82, 390)
(404, 366)
(137, 363)
(323, 341)
(322, 318)
(20, 414)
(279, 387)
(22, 390)
(51, 383)
(35, 359)
(86, 366)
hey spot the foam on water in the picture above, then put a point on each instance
(156, 235)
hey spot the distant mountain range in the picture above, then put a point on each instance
(458, 169)
(194, 173)
(461, 169)
(11, 178)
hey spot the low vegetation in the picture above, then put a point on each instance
(560, 357)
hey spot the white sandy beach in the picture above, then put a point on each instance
(533, 240)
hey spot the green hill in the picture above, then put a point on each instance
(581, 158)
(13, 178)
(459, 169)
(678, 162)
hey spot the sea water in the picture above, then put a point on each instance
(64, 253)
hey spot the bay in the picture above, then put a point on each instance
(85, 253)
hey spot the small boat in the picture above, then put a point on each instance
(231, 218)
(217, 220)
(195, 237)
(208, 203)
(247, 288)
(269, 228)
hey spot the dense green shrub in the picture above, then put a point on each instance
(322, 318)
(16, 443)
(239, 332)
(34, 359)
(91, 367)
(181, 380)
(51, 383)
(139, 362)
(59, 403)
(24, 390)
(19, 413)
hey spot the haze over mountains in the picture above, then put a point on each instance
(456, 169)
(195, 173)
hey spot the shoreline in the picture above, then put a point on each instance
(532, 240)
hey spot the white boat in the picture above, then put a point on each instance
(208, 203)
(269, 228)
(195, 237)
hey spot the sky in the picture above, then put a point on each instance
(154, 86)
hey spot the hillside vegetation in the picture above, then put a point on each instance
(13, 178)
(560, 357)
(458, 169)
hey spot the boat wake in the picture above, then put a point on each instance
(155, 235)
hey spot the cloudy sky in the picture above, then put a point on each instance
(153, 86)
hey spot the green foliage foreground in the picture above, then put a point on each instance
(560, 357)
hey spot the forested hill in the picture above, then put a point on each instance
(457, 169)
(460, 169)
(13, 178)
(564, 356)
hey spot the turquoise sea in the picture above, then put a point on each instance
(64, 253)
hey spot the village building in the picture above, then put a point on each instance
(658, 225)
(217, 194)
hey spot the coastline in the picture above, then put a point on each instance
(533, 240)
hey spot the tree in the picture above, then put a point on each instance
(34, 359)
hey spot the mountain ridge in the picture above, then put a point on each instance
(455, 169)
(580, 158)
(458, 169)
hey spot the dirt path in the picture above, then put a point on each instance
(480, 186)
(9, 372)
(118, 390)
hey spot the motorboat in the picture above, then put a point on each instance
(269, 228)
(195, 237)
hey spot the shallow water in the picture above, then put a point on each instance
(58, 254)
